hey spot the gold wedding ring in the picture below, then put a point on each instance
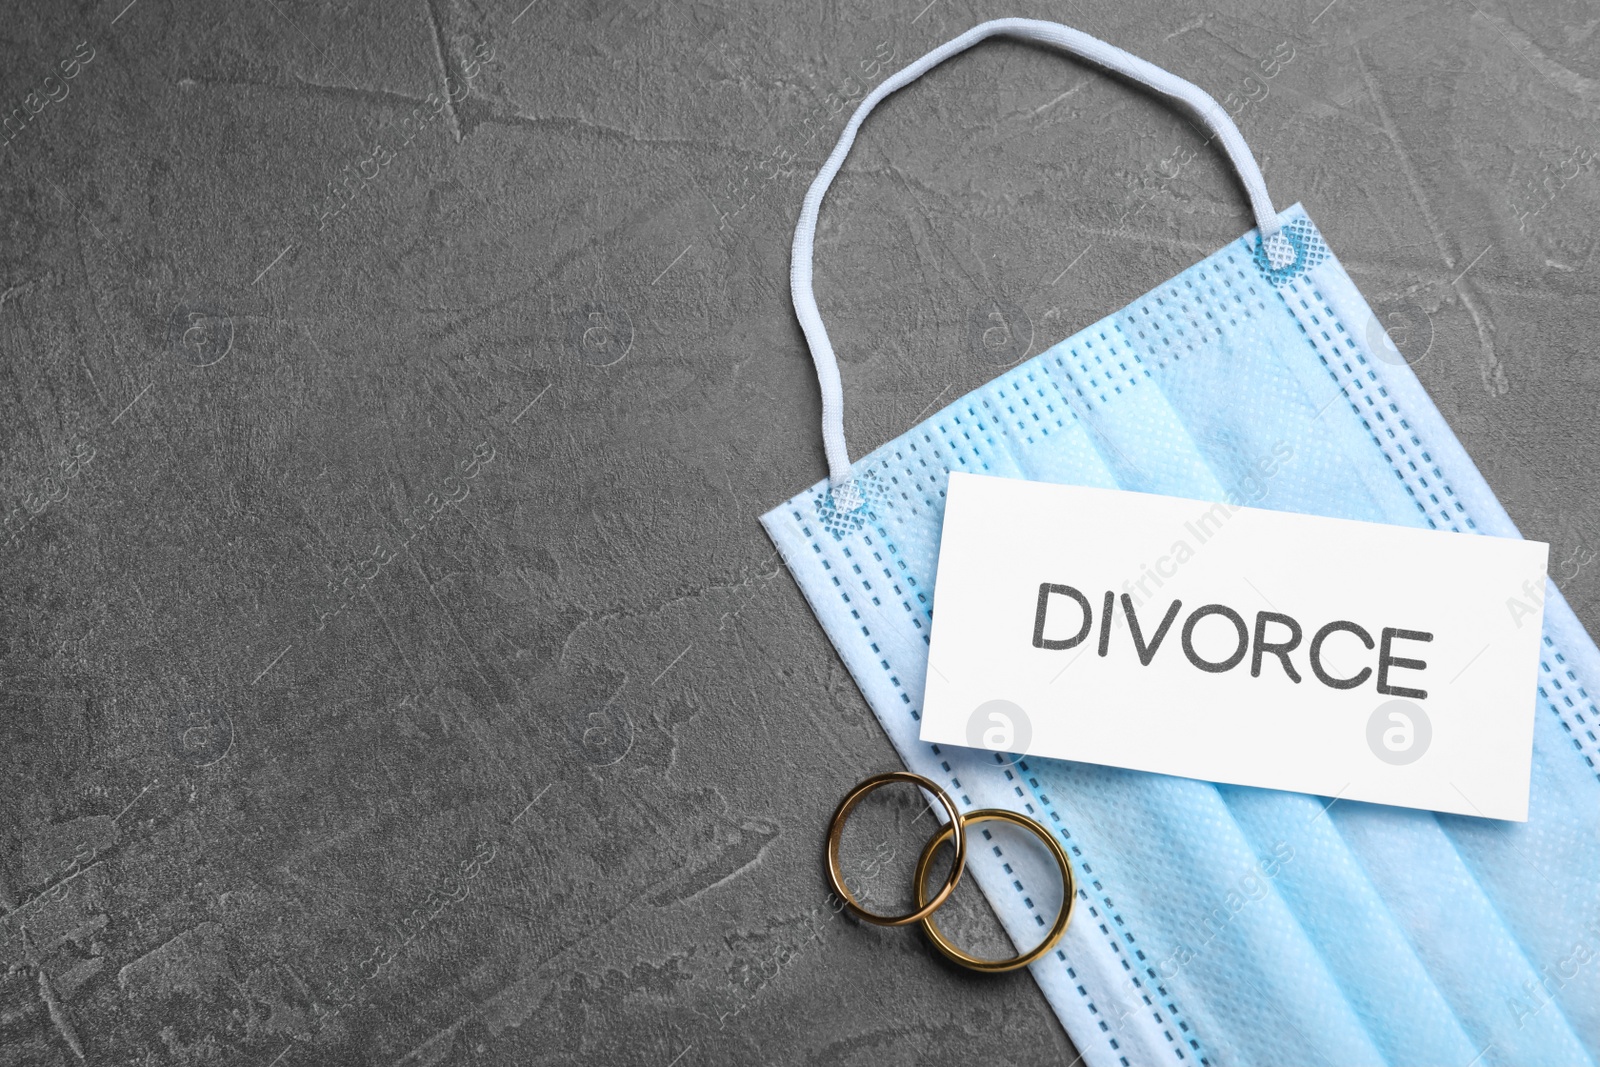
(955, 831)
(1069, 892)
(836, 832)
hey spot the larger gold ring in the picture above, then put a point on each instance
(1069, 892)
(836, 832)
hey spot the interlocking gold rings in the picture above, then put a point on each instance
(954, 831)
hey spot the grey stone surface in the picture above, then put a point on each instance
(393, 669)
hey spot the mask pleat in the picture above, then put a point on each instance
(1273, 438)
(1457, 931)
(1361, 942)
(1545, 871)
(1129, 424)
(1046, 438)
(1201, 916)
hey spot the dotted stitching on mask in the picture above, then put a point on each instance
(1379, 415)
(1038, 415)
(1141, 962)
(961, 442)
(1570, 712)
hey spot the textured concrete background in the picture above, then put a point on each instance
(392, 667)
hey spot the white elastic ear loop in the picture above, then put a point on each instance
(1210, 114)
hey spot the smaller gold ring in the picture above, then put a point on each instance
(836, 833)
(1069, 891)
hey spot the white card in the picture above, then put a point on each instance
(1417, 651)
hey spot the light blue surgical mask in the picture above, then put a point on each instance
(1221, 924)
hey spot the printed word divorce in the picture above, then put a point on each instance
(1246, 640)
